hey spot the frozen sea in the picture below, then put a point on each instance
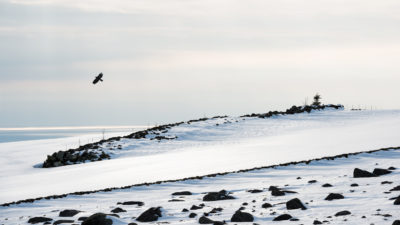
(86, 134)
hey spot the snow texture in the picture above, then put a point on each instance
(204, 148)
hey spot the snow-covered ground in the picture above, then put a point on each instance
(201, 148)
(204, 148)
(367, 199)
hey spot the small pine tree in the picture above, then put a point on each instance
(316, 102)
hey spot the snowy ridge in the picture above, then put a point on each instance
(108, 148)
(198, 177)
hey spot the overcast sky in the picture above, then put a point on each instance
(173, 60)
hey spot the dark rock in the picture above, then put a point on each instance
(333, 196)
(277, 192)
(253, 191)
(295, 204)
(343, 213)
(317, 222)
(97, 219)
(68, 213)
(380, 172)
(83, 218)
(216, 210)
(176, 200)
(192, 215)
(396, 222)
(386, 182)
(358, 173)
(266, 205)
(312, 181)
(354, 185)
(152, 214)
(39, 219)
(185, 210)
(392, 168)
(182, 193)
(283, 217)
(216, 196)
(131, 203)
(195, 207)
(118, 210)
(132, 224)
(397, 188)
(397, 201)
(240, 216)
(62, 221)
(205, 220)
(218, 223)
(327, 185)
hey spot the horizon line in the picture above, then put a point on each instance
(69, 127)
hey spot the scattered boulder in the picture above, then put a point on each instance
(176, 200)
(266, 205)
(358, 173)
(182, 193)
(97, 219)
(312, 181)
(138, 203)
(277, 192)
(192, 215)
(397, 201)
(39, 219)
(283, 217)
(392, 168)
(386, 182)
(83, 218)
(152, 214)
(396, 222)
(68, 213)
(327, 185)
(240, 216)
(118, 210)
(62, 221)
(343, 213)
(216, 196)
(195, 207)
(219, 223)
(397, 188)
(354, 185)
(253, 191)
(216, 210)
(334, 196)
(205, 220)
(317, 222)
(295, 204)
(380, 172)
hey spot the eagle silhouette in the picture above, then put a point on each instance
(98, 78)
